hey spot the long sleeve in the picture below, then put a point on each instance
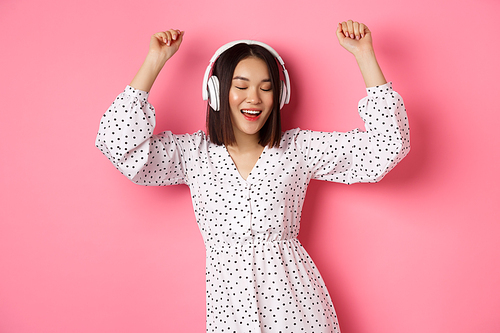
(126, 138)
(361, 156)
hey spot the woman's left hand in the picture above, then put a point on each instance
(355, 37)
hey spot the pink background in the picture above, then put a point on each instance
(84, 250)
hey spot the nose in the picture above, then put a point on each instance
(253, 96)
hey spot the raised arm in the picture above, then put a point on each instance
(361, 155)
(162, 47)
(125, 134)
(356, 38)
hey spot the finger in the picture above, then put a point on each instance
(340, 33)
(164, 36)
(175, 34)
(160, 36)
(168, 39)
(181, 36)
(345, 29)
(366, 30)
(362, 28)
(178, 37)
(355, 27)
(350, 28)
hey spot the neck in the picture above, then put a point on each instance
(245, 142)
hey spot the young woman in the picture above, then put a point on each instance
(248, 179)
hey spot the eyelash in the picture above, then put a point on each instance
(242, 88)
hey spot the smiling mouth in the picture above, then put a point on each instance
(251, 113)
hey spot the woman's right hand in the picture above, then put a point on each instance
(165, 43)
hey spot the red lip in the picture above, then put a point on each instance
(251, 117)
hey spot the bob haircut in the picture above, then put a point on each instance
(219, 124)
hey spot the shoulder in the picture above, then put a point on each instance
(289, 136)
(297, 137)
(309, 140)
(196, 139)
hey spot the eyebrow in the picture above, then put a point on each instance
(246, 79)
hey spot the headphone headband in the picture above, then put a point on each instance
(223, 48)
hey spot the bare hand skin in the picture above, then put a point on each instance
(166, 43)
(162, 46)
(356, 38)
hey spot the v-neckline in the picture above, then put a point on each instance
(250, 174)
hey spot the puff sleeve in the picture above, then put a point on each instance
(126, 138)
(361, 156)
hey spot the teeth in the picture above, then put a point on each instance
(250, 111)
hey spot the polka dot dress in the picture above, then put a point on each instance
(259, 278)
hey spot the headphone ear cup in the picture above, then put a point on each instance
(213, 87)
(283, 94)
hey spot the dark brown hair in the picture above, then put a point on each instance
(219, 125)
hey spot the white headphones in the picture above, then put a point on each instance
(211, 85)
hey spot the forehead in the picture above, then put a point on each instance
(252, 68)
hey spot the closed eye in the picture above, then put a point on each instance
(244, 88)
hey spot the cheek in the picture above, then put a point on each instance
(268, 100)
(233, 103)
(233, 99)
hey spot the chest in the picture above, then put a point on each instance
(226, 183)
(244, 162)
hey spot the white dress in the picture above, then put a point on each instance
(259, 278)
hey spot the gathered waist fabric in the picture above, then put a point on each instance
(245, 244)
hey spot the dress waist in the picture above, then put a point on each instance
(244, 245)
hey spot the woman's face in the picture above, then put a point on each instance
(250, 97)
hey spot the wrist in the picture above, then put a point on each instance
(155, 61)
(365, 56)
(148, 72)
